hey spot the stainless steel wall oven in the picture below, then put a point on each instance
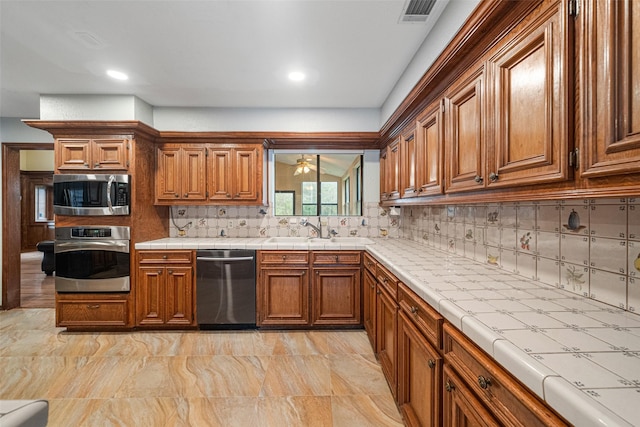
(92, 259)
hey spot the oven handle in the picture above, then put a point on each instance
(109, 245)
(112, 178)
(241, 258)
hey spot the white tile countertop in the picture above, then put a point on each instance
(579, 355)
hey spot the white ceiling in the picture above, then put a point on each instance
(213, 53)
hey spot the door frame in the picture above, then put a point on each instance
(11, 215)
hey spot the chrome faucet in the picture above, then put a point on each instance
(305, 223)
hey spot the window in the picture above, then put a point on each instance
(285, 203)
(42, 198)
(321, 184)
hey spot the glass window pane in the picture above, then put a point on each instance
(284, 203)
(40, 203)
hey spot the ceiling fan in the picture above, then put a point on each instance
(303, 165)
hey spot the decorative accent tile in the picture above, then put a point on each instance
(574, 219)
(574, 278)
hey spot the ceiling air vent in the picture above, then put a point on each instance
(417, 10)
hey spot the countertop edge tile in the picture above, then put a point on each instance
(452, 313)
(480, 334)
(577, 407)
(522, 365)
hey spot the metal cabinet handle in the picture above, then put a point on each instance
(478, 179)
(413, 310)
(484, 382)
(337, 258)
(449, 386)
(493, 177)
(304, 272)
(284, 257)
(93, 306)
(378, 292)
(186, 195)
(96, 165)
(170, 271)
(86, 165)
(431, 363)
(228, 195)
(159, 271)
(164, 257)
(177, 195)
(237, 194)
(373, 286)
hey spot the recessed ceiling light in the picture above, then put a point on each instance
(118, 75)
(296, 76)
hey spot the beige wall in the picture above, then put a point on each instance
(36, 160)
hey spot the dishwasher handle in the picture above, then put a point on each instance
(216, 259)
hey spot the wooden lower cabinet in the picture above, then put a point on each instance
(309, 288)
(386, 336)
(369, 305)
(499, 392)
(336, 296)
(283, 296)
(461, 406)
(88, 311)
(164, 289)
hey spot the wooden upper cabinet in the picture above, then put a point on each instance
(235, 174)
(610, 87)
(408, 162)
(429, 148)
(529, 103)
(180, 174)
(384, 195)
(465, 132)
(392, 170)
(109, 154)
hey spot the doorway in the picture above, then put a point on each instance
(12, 219)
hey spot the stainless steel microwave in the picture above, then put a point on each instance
(91, 194)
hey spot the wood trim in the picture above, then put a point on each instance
(11, 216)
(92, 128)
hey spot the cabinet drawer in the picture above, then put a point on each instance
(92, 313)
(388, 280)
(165, 257)
(284, 257)
(428, 321)
(336, 257)
(507, 399)
(370, 263)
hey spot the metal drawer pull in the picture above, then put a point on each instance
(170, 272)
(449, 387)
(484, 382)
(93, 306)
(431, 363)
(414, 310)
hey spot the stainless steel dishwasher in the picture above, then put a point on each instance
(226, 288)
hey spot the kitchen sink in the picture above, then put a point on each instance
(291, 239)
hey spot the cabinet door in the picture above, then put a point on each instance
(111, 154)
(369, 296)
(220, 175)
(150, 296)
(465, 127)
(408, 162)
(72, 154)
(392, 173)
(247, 174)
(610, 87)
(168, 170)
(384, 190)
(460, 407)
(284, 297)
(179, 296)
(336, 296)
(419, 376)
(194, 174)
(386, 336)
(429, 147)
(529, 102)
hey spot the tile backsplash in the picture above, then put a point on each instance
(588, 247)
(255, 221)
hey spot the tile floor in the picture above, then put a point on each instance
(248, 378)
